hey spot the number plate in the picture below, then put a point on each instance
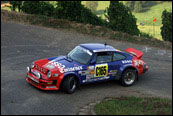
(101, 70)
(33, 79)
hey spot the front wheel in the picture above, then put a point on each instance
(69, 85)
(128, 77)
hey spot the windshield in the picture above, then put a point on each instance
(80, 55)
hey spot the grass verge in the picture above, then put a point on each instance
(134, 106)
(81, 28)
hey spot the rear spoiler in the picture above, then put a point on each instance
(135, 52)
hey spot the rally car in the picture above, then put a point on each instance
(87, 63)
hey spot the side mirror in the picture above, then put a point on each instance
(93, 62)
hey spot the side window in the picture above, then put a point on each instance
(117, 56)
(103, 57)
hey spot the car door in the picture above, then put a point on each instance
(115, 65)
(98, 69)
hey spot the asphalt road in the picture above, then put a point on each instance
(21, 44)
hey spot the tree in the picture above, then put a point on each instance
(92, 5)
(14, 5)
(69, 9)
(166, 29)
(31, 7)
(38, 7)
(121, 19)
(75, 11)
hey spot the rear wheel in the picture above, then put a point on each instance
(128, 77)
(69, 85)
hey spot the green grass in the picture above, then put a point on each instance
(134, 106)
(154, 31)
(154, 12)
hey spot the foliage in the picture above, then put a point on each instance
(166, 29)
(121, 19)
(16, 4)
(75, 11)
(38, 7)
(92, 5)
(147, 35)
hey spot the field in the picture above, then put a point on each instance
(144, 17)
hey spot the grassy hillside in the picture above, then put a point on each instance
(144, 17)
(147, 17)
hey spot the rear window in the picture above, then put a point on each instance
(117, 56)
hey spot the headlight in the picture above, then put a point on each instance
(39, 75)
(49, 74)
(27, 69)
(32, 65)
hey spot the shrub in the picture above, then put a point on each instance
(147, 35)
(166, 29)
(38, 7)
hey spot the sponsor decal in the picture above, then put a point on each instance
(73, 69)
(100, 50)
(138, 62)
(101, 70)
(91, 79)
(62, 67)
(57, 64)
(90, 68)
(126, 61)
(113, 72)
(49, 66)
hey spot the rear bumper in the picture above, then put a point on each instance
(145, 68)
(42, 84)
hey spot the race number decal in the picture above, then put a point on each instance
(101, 70)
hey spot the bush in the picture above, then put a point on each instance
(166, 29)
(38, 7)
(143, 34)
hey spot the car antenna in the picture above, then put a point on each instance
(106, 44)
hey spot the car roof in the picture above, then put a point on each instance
(98, 47)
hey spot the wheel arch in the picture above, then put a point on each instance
(130, 67)
(70, 74)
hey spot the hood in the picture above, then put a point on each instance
(63, 64)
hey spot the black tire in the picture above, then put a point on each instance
(69, 85)
(128, 78)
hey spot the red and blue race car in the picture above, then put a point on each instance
(87, 63)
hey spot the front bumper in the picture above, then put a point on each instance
(41, 84)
